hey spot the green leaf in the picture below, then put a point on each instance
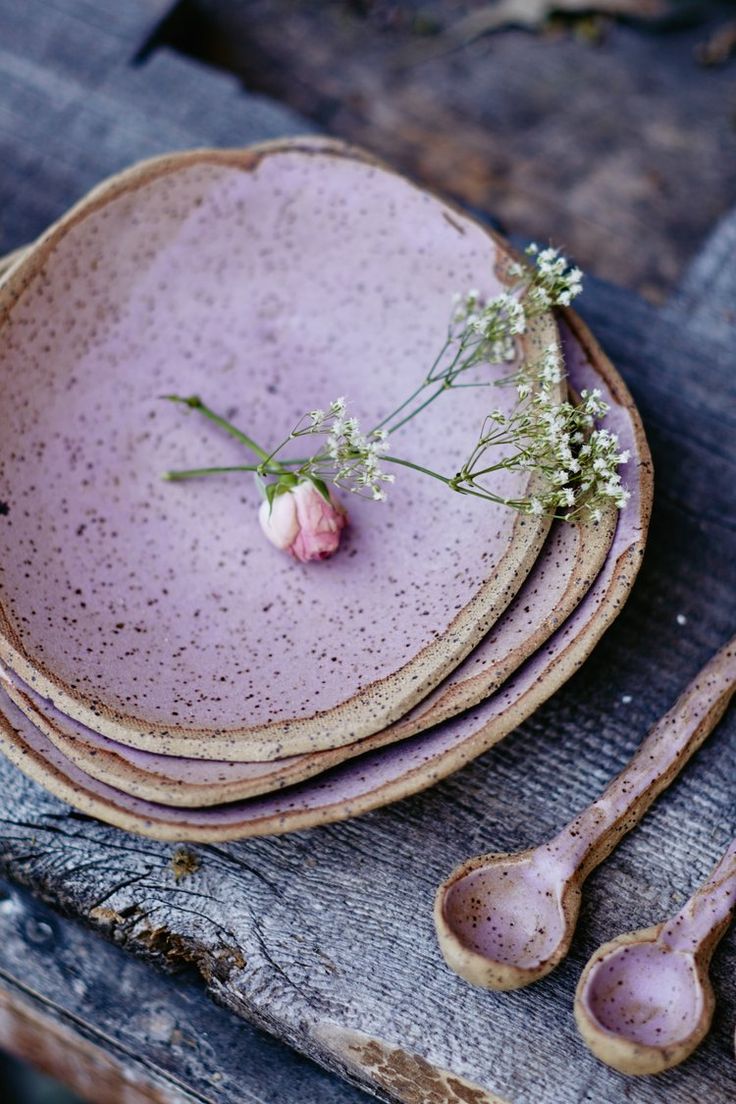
(285, 484)
(271, 490)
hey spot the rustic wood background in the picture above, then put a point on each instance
(325, 937)
(113, 1029)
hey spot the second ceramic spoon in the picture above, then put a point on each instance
(505, 920)
(644, 1001)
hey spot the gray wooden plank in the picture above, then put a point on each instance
(707, 295)
(81, 39)
(207, 104)
(119, 1022)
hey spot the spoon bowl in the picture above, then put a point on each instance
(641, 1005)
(504, 920)
(644, 1001)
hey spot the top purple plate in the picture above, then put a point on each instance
(269, 281)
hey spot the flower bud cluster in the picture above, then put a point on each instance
(349, 458)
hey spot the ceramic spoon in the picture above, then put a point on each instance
(644, 1001)
(504, 920)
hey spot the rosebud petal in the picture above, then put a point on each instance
(303, 523)
(279, 521)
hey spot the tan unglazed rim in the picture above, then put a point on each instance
(639, 1059)
(108, 766)
(377, 704)
(559, 669)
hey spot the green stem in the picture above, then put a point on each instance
(457, 366)
(403, 405)
(486, 471)
(417, 467)
(270, 457)
(429, 379)
(418, 409)
(432, 378)
(195, 403)
(487, 495)
(448, 377)
(195, 473)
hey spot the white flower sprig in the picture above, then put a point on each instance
(575, 463)
(348, 458)
(488, 328)
(483, 332)
(557, 283)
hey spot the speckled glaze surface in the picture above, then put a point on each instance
(385, 775)
(644, 1001)
(566, 567)
(269, 281)
(564, 571)
(503, 921)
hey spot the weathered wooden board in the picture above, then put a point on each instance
(325, 937)
(81, 39)
(113, 1028)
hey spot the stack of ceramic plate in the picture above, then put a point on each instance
(162, 666)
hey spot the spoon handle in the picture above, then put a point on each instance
(591, 836)
(708, 911)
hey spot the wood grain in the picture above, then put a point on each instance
(115, 1030)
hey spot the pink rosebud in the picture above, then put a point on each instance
(303, 523)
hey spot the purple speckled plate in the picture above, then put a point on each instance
(569, 562)
(270, 281)
(405, 767)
